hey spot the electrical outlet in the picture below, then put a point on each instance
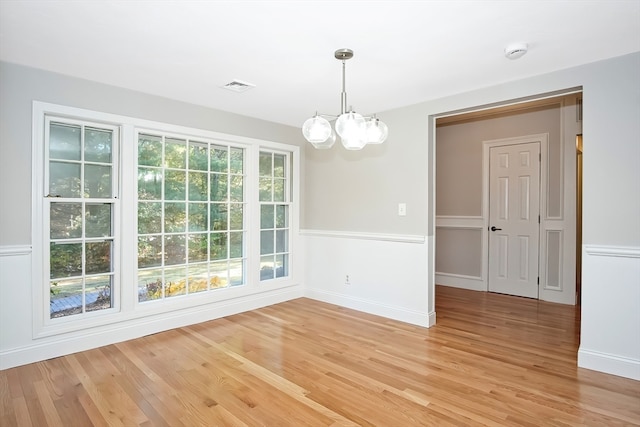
(346, 280)
(402, 209)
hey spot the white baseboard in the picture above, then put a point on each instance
(459, 281)
(609, 363)
(54, 348)
(397, 313)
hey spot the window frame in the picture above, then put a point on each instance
(288, 196)
(245, 203)
(125, 297)
(114, 201)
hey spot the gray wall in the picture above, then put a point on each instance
(360, 191)
(20, 86)
(459, 157)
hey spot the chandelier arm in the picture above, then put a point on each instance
(327, 116)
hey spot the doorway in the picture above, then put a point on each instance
(462, 226)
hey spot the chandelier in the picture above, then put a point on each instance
(355, 131)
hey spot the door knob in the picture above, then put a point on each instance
(493, 228)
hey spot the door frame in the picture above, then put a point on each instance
(557, 284)
(543, 140)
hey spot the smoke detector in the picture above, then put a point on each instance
(515, 50)
(238, 86)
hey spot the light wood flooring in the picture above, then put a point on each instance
(491, 360)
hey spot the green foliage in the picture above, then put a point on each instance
(150, 150)
(149, 183)
(98, 220)
(98, 257)
(149, 217)
(149, 251)
(97, 145)
(198, 156)
(185, 189)
(65, 260)
(175, 151)
(65, 220)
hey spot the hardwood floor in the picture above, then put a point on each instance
(490, 360)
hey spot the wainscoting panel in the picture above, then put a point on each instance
(15, 298)
(461, 252)
(553, 276)
(610, 334)
(379, 274)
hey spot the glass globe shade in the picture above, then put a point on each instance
(326, 144)
(356, 143)
(351, 126)
(316, 129)
(377, 131)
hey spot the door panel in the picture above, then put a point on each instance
(514, 200)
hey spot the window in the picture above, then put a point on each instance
(80, 201)
(134, 218)
(190, 216)
(274, 195)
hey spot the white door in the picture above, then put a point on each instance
(514, 199)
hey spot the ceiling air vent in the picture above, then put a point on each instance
(238, 86)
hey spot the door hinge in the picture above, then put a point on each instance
(538, 280)
(538, 219)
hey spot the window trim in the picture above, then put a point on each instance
(129, 308)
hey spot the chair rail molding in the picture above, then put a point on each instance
(13, 250)
(613, 251)
(401, 238)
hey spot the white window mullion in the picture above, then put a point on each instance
(83, 240)
(83, 209)
(253, 216)
(125, 221)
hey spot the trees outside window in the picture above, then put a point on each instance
(134, 218)
(191, 232)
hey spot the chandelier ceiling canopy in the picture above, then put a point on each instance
(355, 131)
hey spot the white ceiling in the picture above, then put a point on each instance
(405, 51)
